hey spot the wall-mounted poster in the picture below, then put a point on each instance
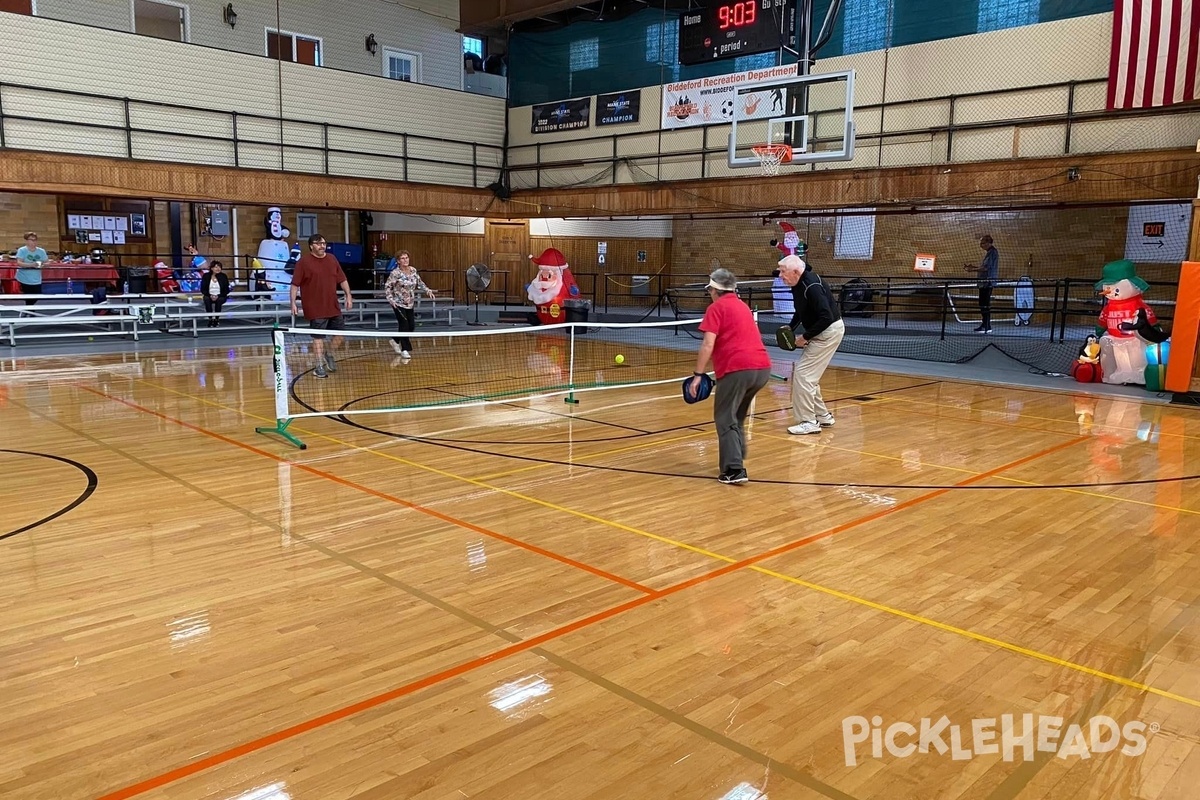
(81, 235)
(618, 108)
(137, 224)
(566, 115)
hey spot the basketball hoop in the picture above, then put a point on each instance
(771, 156)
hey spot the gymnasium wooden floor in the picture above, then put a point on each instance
(193, 611)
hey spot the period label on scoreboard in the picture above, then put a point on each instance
(731, 29)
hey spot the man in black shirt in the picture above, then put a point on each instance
(822, 331)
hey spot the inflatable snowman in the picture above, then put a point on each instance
(1122, 350)
(274, 254)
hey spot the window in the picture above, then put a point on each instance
(287, 46)
(473, 45)
(866, 26)
(996, 15)
(756, 61)
(662, 48)
(160, 19)
(306, 225)
(585, 54)
(401, 66)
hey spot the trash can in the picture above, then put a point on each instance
(578, 311)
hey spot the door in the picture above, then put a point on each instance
(507, 246)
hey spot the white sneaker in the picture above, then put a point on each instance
(395, 345)
(405, 354)
(825, 421)
(804, 428)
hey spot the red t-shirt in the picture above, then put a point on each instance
(318, 280)
(739, 344)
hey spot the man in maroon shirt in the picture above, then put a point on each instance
(733, 341)
(316, 279)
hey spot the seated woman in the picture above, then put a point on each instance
(215, 288)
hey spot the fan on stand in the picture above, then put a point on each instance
(479, 277)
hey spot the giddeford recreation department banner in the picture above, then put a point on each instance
(708, 101)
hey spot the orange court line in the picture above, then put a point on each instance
(293, 731)
(389, 498)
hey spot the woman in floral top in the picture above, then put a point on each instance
(401, 291)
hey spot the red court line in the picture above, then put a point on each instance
(389, 498)
(255, 745)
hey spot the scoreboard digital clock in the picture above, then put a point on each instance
(731, 29)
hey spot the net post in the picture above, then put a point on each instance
(570, 398)
(282, 421)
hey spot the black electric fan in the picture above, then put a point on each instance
(479, 277)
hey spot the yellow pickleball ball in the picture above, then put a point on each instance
(620, 359)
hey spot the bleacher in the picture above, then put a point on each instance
(67, 316)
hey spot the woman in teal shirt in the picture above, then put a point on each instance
(29, 271)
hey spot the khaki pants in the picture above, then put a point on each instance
(807, 403)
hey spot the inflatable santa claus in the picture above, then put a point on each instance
(551, 287)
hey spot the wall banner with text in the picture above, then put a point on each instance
(618, 108)
(565, 115)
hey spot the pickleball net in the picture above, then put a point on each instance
(448, 369)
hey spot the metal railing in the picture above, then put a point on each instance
(1068, 117)
(223, 134)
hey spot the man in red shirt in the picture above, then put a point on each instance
(733, 341)
(316, 279)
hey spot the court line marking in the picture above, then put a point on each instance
(451, 476)
(616, 451)
(567, 560)
(717, 556)
(464, 667)
(629, 695)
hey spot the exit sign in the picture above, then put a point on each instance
(1156, 229)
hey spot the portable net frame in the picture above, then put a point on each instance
(451, 369)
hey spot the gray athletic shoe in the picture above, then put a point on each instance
(330, 364)
(320, 372)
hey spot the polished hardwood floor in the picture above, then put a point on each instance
(538, 600)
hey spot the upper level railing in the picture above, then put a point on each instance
(121, 127)
(1073, 110)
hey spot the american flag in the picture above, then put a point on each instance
(1154, 48)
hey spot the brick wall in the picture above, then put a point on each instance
(1039, 243)
(28, 212)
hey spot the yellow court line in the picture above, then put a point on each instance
(718, 557)
(472, 481)
(979, 637)
(626, 449)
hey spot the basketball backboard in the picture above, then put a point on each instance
(814, 114)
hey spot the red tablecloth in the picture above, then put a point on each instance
(53, 272)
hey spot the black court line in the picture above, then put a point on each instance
(92, 482)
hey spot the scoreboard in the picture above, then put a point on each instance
(730, 29)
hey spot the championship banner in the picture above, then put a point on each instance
(709, 101)
(618, 108)
(566, 115)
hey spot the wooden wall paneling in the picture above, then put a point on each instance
(59, 173)
(620, 264)
(137, 250)
(441, 258)
(507, 248)
(1149, 175)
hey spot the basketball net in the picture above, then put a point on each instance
(771, 157)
